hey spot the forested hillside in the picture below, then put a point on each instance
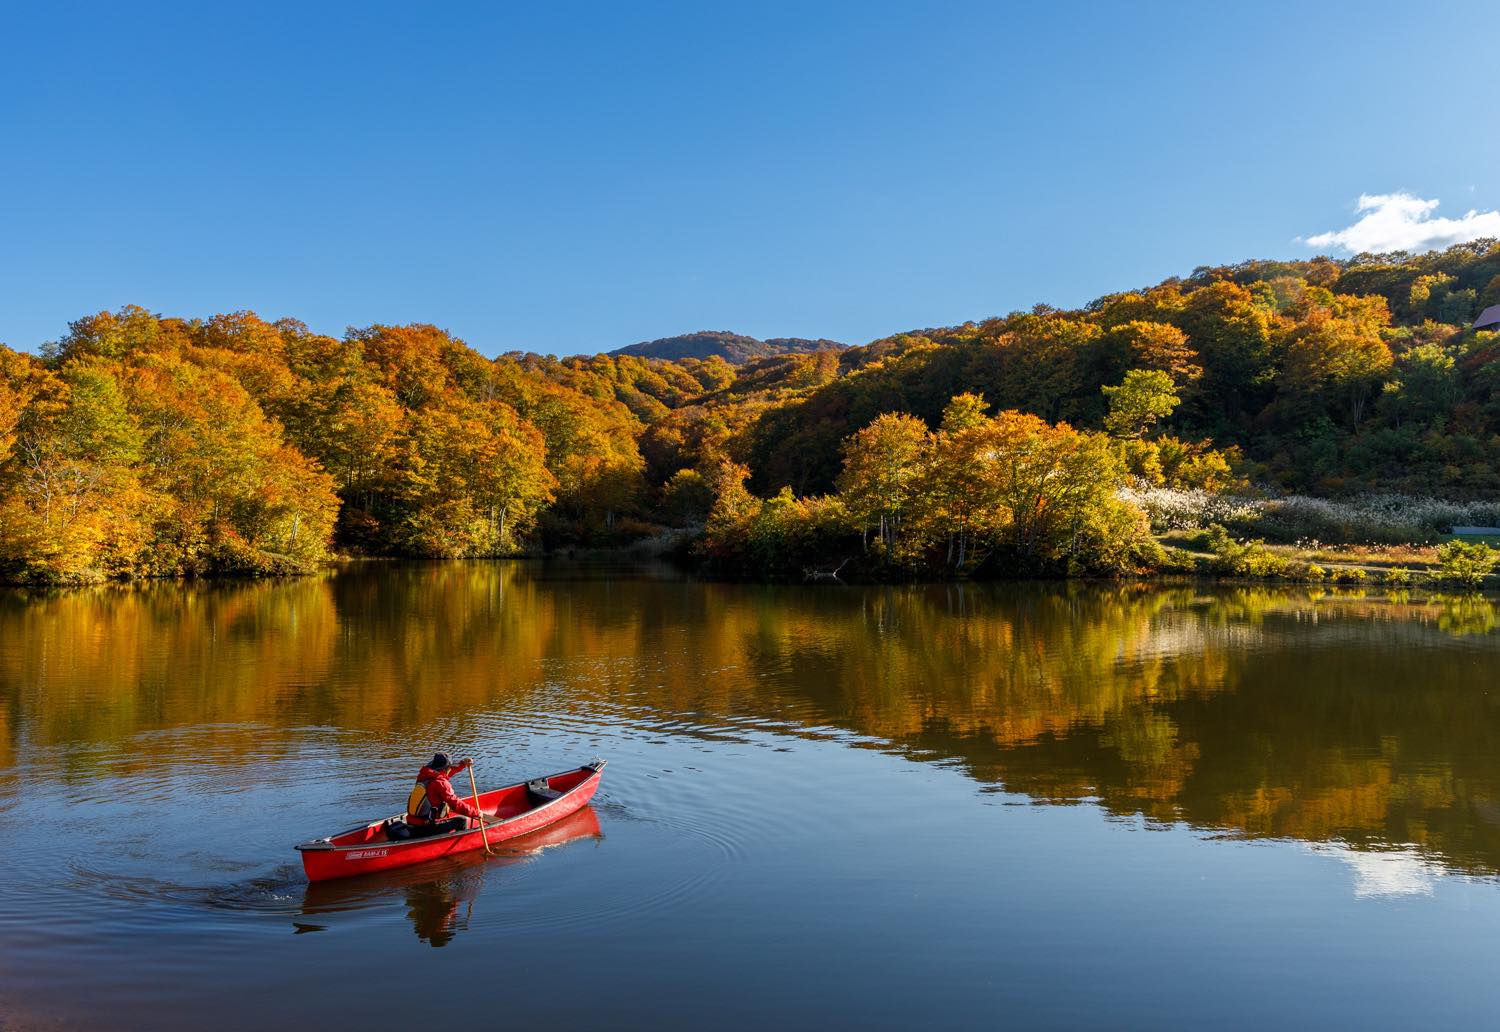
(144, 445)
(732, 347)
(1330, 376)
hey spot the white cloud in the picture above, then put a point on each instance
(1403, 222)
(1385, 873)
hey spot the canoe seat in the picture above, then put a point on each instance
(540, 792)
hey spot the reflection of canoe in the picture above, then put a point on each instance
(329, 897)
(519, 810)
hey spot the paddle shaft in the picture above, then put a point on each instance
(483, 834)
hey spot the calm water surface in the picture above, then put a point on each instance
(941, 807)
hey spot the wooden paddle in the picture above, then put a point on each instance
(485, 835)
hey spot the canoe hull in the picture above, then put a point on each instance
(365, 849)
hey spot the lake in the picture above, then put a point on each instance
(941, 806)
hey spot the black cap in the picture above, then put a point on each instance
(439, 761)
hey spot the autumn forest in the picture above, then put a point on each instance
(145, 445)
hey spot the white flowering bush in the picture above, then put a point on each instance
(1191, 509)
(1376, 518)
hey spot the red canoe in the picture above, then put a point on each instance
(518, 809)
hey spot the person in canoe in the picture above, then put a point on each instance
(433, 808)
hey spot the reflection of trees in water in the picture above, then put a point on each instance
(1313, 714)
(1466, 614)
(1348, 729)
(354, 651)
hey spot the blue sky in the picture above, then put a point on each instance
(575, 177)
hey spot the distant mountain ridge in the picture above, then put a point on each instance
(735, 348)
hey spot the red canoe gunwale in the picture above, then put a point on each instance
(327, 858)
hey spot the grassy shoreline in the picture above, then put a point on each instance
(1393, 566)
(1189, 553)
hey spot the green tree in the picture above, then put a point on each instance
(1458, 307)
(1428, 385)
(1426, 294)
(1138, 403)
(1466, 563)
(686, 498)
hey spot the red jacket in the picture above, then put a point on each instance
(440, 791)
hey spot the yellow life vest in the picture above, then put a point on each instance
(419, 809)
